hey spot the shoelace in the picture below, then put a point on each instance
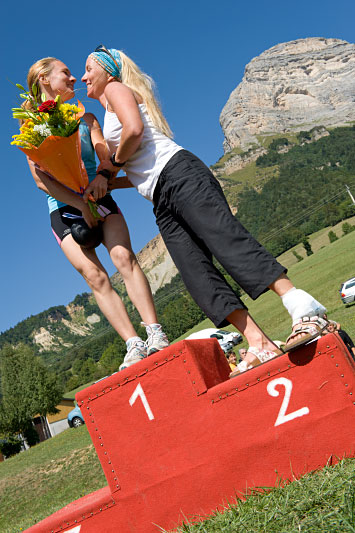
(140, 346)
(154, 333)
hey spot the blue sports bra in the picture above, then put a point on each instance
(87, 155)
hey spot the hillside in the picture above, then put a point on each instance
(321, 502)
(284, 171)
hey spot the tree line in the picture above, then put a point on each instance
(308, 193)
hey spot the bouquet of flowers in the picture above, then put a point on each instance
(49, 136)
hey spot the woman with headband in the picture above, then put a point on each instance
(52, 77)
(191, 211)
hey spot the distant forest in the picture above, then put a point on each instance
(308, 193)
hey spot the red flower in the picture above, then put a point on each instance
(48, 106)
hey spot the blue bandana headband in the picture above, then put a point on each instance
(112, 65)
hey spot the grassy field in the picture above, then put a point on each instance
(322, 502)
(40, 481)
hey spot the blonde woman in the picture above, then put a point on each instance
(191, 211)
(52, 77)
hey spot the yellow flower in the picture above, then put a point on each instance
(68, 112)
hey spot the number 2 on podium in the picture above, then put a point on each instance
(282, 417)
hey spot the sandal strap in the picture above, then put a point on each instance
(262, 355)
(316, 320)
(254, 351)
(308, 324)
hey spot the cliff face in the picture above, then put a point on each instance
(291, 87)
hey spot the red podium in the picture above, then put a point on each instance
(177, 438)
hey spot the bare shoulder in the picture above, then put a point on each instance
(116, 91)
(116, 88)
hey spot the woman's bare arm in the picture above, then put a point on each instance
(97, 137)
(121, 100)
(119, 183)
(49, 185)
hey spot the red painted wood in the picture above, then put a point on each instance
(202, 439)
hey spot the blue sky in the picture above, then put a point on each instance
(195, 50)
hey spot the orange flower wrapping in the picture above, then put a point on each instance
(61, 157)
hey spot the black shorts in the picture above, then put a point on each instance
(61, 224)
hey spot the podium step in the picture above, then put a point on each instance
(177, 438)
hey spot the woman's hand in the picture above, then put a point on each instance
(98, 188)
(106, 164)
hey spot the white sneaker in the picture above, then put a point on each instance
(157, 340)
(136, 351)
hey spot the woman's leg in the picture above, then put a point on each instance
(209, 288)
(118, 244)
(88, 265)
(197, 200)
(241, 319)
(194, 197)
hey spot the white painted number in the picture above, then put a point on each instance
(282, 417)
(74, 529)
(140, 392)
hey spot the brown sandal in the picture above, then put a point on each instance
(313, 327)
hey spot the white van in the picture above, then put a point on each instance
(347, 291)
(226, 339)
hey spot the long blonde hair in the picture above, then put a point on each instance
(41, 67)
(143, 85)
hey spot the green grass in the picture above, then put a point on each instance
(38, 482)
(320, 502)
(70, 395)
(265, 140)
(54, 473)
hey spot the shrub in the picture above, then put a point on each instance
(297, 256)
(347, 228)
(307, 246)
(332, 236)
(11, 445)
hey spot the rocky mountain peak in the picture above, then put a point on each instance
(291, 87)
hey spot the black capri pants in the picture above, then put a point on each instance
(196, 224)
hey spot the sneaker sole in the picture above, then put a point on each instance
(130, 363)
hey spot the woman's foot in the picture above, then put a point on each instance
(136, 351)
(304, 311)
(156, 340)
(255, 357)
(304, 330)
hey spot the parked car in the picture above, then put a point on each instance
(226, 339)
(347, 291)
(75, 418)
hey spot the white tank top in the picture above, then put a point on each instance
(143, 168)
